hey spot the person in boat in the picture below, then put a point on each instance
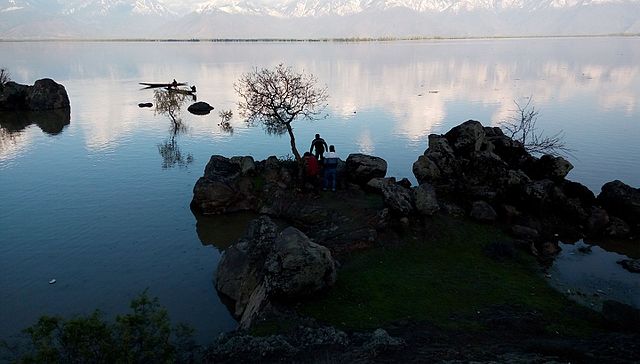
(330, 169)
(193, 88)
(174, 84)
(320, 146)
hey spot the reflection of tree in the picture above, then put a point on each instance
(170, 103)
(225, 117)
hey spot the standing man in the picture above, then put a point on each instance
(320, 146)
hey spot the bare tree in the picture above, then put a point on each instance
(170, 103)
(522, 127)
(276, 97)
(4, 77)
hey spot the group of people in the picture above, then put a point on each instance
(319, 162)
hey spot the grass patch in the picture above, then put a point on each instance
(445, 280)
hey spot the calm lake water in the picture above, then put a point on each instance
(96, 206)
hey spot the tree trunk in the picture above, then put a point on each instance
(293, 142)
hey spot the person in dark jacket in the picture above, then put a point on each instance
(320, 146)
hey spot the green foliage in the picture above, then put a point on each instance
(446, 280)
(142, 336)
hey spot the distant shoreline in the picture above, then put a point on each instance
(313, 40)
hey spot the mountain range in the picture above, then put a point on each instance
(136, 19)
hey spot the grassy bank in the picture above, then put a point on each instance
(454, 274)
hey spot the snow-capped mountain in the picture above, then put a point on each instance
(316, 8)
(21, 19)
(105, 8)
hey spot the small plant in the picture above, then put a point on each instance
(4, 77)
(143, 336)
(225, 117)
(522, 127)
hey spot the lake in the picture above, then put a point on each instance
(98, 208)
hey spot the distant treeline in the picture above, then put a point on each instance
(302, 40)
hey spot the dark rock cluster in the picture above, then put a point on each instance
(45, 94)
(493, 178)
(472, 171)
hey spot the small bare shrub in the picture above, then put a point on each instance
(522, 127)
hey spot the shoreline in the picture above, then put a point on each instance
(318, 40)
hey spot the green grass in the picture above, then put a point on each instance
(447, 281)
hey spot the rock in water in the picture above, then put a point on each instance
(200, 108)
(45, 94)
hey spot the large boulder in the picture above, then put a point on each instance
(399, 199)
(238, 184)
(298, 267)
(622, 201)
(240, 269)
(548, 166)
(264, 266)
(13, 96)
(467, 137)
(426, 170)
(482, 211)
(361, 168)
(425, 199)
(45, 94)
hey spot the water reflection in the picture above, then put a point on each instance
(13, 123)
(170, 103)
(222, 230)
(591, 275)
(50, 121)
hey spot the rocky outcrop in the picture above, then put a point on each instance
(265, 265)
(425, 199)
(493, 177)
(230, 185)
(45, 94)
